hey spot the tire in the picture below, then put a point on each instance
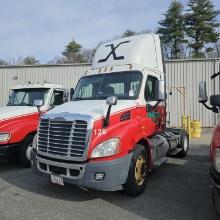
(184, 144)
(214, 203)
(23, 160)
(138, 172)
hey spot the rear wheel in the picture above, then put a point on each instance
(138, 172)
(184, 144)
(23, 159)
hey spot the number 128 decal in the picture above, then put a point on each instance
(99, 132)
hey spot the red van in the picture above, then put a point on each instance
(215, 142)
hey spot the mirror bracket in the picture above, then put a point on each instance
(155, 106)
(110, 101)
(213, 108)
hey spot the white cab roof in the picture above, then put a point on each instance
(40, 85)
(142, 51)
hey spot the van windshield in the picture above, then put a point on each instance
(123, 85)
(26, 97)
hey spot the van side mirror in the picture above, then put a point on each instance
(160, 93)
(38, 103)
(215, 100)
(202, 92)
(203, 98)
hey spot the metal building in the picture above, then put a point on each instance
(183, 78)
(187, 74)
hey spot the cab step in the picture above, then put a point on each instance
(160, 162)
(174, 152)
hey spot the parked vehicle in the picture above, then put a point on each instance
(114, 131)
(215, 142)
(19, 119)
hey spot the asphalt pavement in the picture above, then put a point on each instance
(179, 189)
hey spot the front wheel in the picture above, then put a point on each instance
(138, 172)
(23, 152)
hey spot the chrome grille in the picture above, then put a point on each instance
(62, 138)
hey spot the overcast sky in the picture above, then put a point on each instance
(43, 27)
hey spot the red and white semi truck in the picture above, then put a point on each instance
(19, 119)
(215, 141)
(114, 131)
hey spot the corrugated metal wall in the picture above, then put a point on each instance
(180, 73)
(188, 74)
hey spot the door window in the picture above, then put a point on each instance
(57, 98)
(150, 94)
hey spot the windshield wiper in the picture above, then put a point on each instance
(21, 104)
(25, 104)
(77, 99)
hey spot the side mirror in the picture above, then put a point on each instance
(65, 96)
(215, 100)
(202, 92)
(112, 100)
(160, 91)
(10, 93)
(38, 103)
(71, 93)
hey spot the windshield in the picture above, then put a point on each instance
(123, 85)
(26, 97)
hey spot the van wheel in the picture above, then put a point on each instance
(138, 172)
(184, 144)
(23, 160)
(214, 202)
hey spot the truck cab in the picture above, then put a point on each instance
(215, 141)
(19, 119)
(114, 132)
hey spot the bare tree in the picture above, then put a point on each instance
(88, 54)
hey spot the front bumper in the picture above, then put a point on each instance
(215, 181)
(83, 174)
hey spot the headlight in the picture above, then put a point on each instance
(106, 148)
(4, 137)
(216, 161)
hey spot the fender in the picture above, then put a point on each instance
(20, 127)
(130, 132)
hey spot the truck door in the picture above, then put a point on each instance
(150, 97)
(154, 118)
